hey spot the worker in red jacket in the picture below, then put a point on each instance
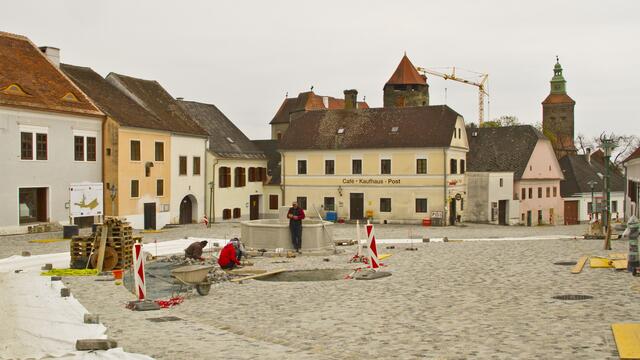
(230, 254)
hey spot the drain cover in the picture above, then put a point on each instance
(164, 318)
(573, 297)
(565, 263)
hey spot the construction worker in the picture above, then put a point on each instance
(230, 254)
(194, 251)
(296, 215)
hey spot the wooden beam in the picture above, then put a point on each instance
(627, 337)
(258, 275)
(577, 269)
(103, 245)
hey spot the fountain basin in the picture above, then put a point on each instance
(272, 234)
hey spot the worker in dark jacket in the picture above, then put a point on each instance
(228, 258)
(194, 251)
(296, 215)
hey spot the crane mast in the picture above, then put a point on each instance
(481, 84)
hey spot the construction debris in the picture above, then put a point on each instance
(95, 344)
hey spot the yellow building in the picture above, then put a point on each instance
(400, 164)
(137, 152)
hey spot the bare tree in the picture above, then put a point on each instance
(502, 121)
(624, 146)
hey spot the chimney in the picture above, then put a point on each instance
(180, 98)
(588, 153)
(351, 99)
(52, 53)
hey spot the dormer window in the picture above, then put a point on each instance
(341, 131)
(394, 130)
(230, 140)
(70, 97)
(14, 89)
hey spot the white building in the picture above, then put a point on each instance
(51, 136)
(632, 172)
(490, 198)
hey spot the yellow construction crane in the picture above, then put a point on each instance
(481, 83)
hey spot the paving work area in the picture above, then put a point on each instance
(475, 299)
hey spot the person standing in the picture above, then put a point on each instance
(296, 215)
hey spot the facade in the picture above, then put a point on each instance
(529, 155)
(490, 198)
(305, 101)
(235, 168)
(369, 163)
(137, 144)
(186, 152)
(581, 172)
(272, 185)
(558, 115)
(51, 135)
(632, 172)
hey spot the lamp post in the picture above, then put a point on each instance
(591, 184)
(211, 215)
(608, 144)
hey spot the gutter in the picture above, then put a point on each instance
(282, 176)
(212, 217)
(444, 209)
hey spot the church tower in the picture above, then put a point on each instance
(557, 115)
(406, 87)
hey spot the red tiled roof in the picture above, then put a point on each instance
(23, 64)
(558, 99)
(307, 101)
(634, 155)
(406, 74)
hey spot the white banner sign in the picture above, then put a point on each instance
(85, 199)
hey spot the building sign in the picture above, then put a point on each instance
(437, 214)
(85, 199)
(370, 181)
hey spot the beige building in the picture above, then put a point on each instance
(398, 165)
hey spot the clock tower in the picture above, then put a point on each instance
(558, 115)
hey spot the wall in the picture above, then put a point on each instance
(133, 208)
(234, 197)
(585, 198)
(414, 95)
(558, 119)
(56, 173)
(187, 185)
(483, 190)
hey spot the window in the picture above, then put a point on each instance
(539, 192)
(41, 147)
(135, 150)
(196, 165)
(501, 182)
(453, 166)
(421, 205)
(548, 191)
(183, 166)
(385, 166)
(302, 202)
(91, 148)
(240, 177)
(454, 133)
(302, 167)
(555, 191)
(329, 167)
(524, 193)
(530, 193)
(26, 146)
(356, 166)
(462, 166)
(539, 217)
(135, 188)
(224, 177)
(108, 151)
(614, 206)
(252, 174)
(421, 166)
(329, 204)
(159, 151)
(385, 204)
(78, 148)
(226, 214)
(33, 140)
(589, 207)
(236, 213)
(273, 202)
(459, 133)
(159, 187)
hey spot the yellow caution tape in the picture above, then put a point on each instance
(46, 241)
(70, 272)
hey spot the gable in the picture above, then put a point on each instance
(460, 141)
(542, 163)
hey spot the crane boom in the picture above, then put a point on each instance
(481, 85)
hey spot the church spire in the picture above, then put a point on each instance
(558, 83)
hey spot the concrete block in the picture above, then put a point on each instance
(47, 267)
(145, 305)
(95, 344)
(65, 292)
(91, 319)
(56, 278)
(445, 239)
(26, 253)
(425, 240)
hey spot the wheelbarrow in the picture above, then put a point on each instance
(193, 275)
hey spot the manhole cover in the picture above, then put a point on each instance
(565, 263)
(164, 318)
(308, 275)
(573, 297)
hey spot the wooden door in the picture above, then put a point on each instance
(356, 206)
(502, 212)
(150, 216)
(528, 217)
(452, 212)
(571, 212)
(42, 205)
(254, 210)
(186, 216)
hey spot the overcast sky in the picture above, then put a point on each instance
(244, 56)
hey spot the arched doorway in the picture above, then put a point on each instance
(188, 208)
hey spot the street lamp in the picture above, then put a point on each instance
(591, 184)
(608, 144)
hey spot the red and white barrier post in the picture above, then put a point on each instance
(138, 271)
(371, 246)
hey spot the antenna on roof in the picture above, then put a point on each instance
(286, 96)
(364, 98)
(311, 87)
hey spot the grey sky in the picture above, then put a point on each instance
(243, 56)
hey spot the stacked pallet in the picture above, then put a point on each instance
(119, 237)
(80, 250)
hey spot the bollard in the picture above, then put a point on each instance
(91, 318)
(65, 292)
(425, 240)
(26, 253)
(445, 239)
(47, 267)
(95, 344)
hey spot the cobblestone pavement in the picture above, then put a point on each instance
(15, 244)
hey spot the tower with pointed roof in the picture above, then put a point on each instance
(558, 115)
(406, 87)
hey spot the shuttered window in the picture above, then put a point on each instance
(273, 202)
(224, 177)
